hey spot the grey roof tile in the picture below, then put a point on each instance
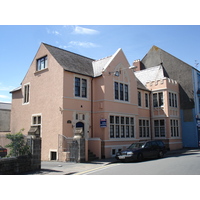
(72, 62)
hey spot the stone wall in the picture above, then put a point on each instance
(15, 165)
(22, 164)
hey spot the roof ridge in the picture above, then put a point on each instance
(67, 51)
(102, 58)
(154, 46)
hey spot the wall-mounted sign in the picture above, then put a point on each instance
(103, 123)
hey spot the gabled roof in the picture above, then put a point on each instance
(72, 62)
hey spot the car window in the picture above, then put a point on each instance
(148, 145)
(136, 145)
(160, 143)
(154, 144)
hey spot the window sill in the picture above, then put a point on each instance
(41, 71)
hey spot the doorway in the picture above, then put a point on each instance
(80, 125)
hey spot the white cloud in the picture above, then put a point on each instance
(84, 31)
(7, 88)
(53, 32)
(83, 44)
(4, 97)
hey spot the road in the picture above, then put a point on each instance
(180, 164)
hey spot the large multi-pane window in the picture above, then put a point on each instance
(144, 128)
(80, 87)
(121, 91)
(26, 93)
(41, 63)
(159, 128)
(121, 127)
(172, 100)
(174, 128)
(157, 99)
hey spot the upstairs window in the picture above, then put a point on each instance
(80, 87)
(41, 63)
(172, 100)
(26, 93)
(121, 91)
(146, 100)
(158, 99)
(139, 99)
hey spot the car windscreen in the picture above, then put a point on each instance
(136, 145)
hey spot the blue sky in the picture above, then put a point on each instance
(19, 44)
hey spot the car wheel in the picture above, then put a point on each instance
(160, 154)
(140, 157)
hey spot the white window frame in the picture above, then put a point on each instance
(158, 99)
(81, 87)
(128, 127)
(26, 99)
(39, 67)
(144, 127)
(159, 127)
(121, 98)
(173, 100)
(174, 128)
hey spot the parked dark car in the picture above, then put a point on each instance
(141, 150)
(3, 152)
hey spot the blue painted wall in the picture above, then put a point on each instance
(189, 132)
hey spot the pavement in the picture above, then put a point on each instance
(72, 168)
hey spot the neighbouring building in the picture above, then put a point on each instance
(5, 110)
(107, 101)
(188, 79)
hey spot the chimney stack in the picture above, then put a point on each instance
(136, 63)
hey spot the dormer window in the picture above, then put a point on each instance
(41, 63)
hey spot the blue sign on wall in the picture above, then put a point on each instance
(103, 123)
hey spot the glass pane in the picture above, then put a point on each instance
(112, 119)
(117, 119)
(155, 102)
(160, 99)
(122, 131)
(84, 88)
(116, 91)
(122, 120)
(121, 91)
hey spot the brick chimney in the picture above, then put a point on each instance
(136, 63)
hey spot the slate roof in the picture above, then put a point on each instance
(99, 65)
(150, 74)
(72, 62)
(175, 69)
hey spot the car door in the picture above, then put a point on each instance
(154, 149)
(147, 151)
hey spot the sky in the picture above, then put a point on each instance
(19, 44)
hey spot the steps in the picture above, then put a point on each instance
(92, 156)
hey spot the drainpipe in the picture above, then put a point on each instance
(150, 112)
(92, 107)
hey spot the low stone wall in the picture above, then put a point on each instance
(15, 165)
(22, 164)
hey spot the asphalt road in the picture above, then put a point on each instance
(180, 164)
